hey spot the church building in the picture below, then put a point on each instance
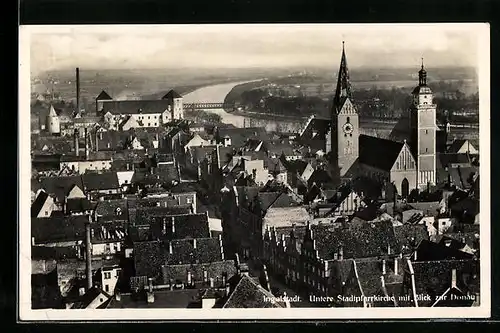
(407, 159)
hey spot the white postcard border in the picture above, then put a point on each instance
(24, 264)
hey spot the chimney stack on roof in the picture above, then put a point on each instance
(76, 136)
(86, 144)
(77, 89)
(88, 257)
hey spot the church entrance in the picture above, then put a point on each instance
(405, 188)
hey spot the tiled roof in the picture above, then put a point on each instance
(149, 257)
(278, 217)
(274, 165)
(171, 95)
(180, 226)
(136, 106)
(163, 299)
(239, 136)
(295, 166)
(319, 177)
(409, 236)
(60, 186)
(37, 205)
(433, 278)
(215, 270)
(184, 251)
(448, 159)
(367, 240)
(79, 205)
(378, 153)
(284, 200)
(266, 199)
(316, 128)
(143, 215)
(116, 208)
(246, 194)
(167, 173)
(100, 181)
(53, 252)
(250, 294)
(66, 229)
(45, 162)
(430, 251)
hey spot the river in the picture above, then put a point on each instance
(218, 92)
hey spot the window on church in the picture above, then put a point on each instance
(426, 132)
(348, 119)
(426, 150)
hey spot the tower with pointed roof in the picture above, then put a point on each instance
(175, 104)
(423, 131)
(345, 122)
(53, 122)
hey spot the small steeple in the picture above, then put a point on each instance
(52, 111)
(422, 75)
(343, 82)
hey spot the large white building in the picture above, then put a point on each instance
(127, 114)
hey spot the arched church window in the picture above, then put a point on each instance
(348, 119)
(426, 132)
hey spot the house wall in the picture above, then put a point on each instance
(112, 247)
(109, 279)
(467, 148)
(124, 177)
(47, 208)
(196, 141)
(76, 193)
(93, 165)
(178, 109)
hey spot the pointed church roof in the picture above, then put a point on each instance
(343, 90)
(171, 95)
(52, 111)
(103, 96)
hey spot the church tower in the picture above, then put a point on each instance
(345, 122)
(423, 131)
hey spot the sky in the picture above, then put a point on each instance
(246, 46)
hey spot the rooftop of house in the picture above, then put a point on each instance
(248, 293)
(430, 251)
(60, 229)
(100, 181)
(163, 299)
(79, 205)
(239, 136)
(215, 270)
(151, 256)
(171, 95)
(103, 96)
(128, 107)
(37, 205)
(364, 241)
(60, 186)
(434, 278)
(180, 226)
(410, 235)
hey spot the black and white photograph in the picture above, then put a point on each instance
(254, 171)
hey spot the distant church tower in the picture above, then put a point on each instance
(53, 123)
(345, 123)
(423, 131)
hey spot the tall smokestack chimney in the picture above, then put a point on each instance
(86, 144)
(76, 135)
(88, 256)
(77, 89)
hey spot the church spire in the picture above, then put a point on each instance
(422, 75)
(343, 83)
